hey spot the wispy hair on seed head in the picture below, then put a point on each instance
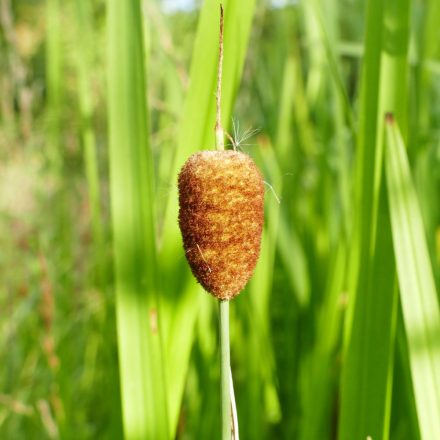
(273, 191)
(238, 139)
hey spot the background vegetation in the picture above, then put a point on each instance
(338, 333)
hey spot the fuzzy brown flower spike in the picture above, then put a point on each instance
(221, 195)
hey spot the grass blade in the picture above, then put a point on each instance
(141, 370)
(353, 384)
(54, 60)
(316, 15)
(417, 289)
(372, 318)
(316, 421)
(83, 61)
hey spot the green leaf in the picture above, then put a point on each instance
(83, 62)
(320, 366)
(144, 401)
(371, 324)
(417, 289)
(54, 74)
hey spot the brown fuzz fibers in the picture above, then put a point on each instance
(221, 195)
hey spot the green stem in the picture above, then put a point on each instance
(219, 132)
(225, 369)
(54, 82)
(84, 62)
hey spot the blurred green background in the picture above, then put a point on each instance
(337, 334)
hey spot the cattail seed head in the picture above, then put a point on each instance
(221, 198)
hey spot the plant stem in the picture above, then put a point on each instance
(225, 369)
(219, 132)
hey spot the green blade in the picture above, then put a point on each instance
(316, 420)
(417, 289)
(370, 331)
(54, 73)
(131, 178)
(83, 63)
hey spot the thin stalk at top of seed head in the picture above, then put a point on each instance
(219, 132)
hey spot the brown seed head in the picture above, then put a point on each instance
(221, 195)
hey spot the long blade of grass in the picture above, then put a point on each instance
(54, 87)
(428, 42)
(317, 22)
(316, 421)
(83, 62)
(368, 364)
(365, 199)
(367, 372)
(404, 421)
(417, 289)
(421, 139)
(131, 175)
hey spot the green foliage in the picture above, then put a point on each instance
(367, 375)
(418, 295)
(142, 371)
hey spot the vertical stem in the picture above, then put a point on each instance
(54, 82)
(225, 369)
(84, 58)
(219, 133)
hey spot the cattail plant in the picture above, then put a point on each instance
(221, 218)
(221, 199)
